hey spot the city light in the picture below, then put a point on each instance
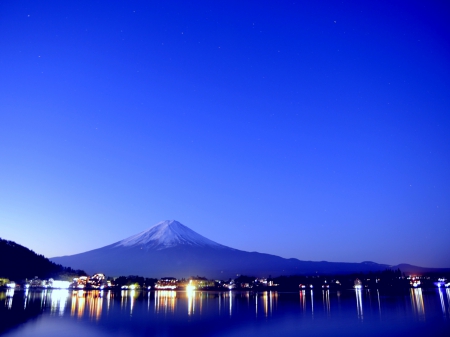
(61, 284)
(11, 285)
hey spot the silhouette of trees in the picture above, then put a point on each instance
(19, 263)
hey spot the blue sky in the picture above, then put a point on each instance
(314, 131)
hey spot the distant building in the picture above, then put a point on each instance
(167, 283)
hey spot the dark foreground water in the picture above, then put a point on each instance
(168, 313)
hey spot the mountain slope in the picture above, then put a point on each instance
(19, 262)
(172, 249)
(165, 234)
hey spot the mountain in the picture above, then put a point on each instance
(19, 262)
(172, 249)
(167, 234)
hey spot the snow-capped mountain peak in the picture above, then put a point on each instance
(165, 234)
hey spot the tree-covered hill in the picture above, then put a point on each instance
(18, 263)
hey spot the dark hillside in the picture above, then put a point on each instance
(18, 263)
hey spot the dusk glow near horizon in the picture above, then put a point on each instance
(303, 130)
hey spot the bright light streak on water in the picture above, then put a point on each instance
(417, 303)
(270, 302)
(58, 300)
(43, 298)
(256, 304)
(441, 297)
(9, 298)
(230, 298)
(191, 302)
(447, 291)
(81, 302)
(359, 307)
(326, 301)
(132, 298)
(266, 304)
(165, 301)
(379, 304)
(25, 298)
(73, 306)
(303, 301)
(123, 298)
(98, 305)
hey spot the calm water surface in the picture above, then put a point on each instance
(202, 313)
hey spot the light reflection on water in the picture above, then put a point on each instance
(9, 298)
(448, 300)
(58, 301)
(379, 303)
(441, 297)
(326, 301)
(303, 300)
(96, 305)
(91, 303)
(359, 304)
(165, 301)
(417, 303)
(87, 301)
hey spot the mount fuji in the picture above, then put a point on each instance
(172, 249)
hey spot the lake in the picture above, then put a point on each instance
(414, 312)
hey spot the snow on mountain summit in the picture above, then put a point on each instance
(167, 234)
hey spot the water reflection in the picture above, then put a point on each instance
(58, 301)
(156, 313)
(303, 300)
(9, 298)
(93, 304)
(43, 298)
(441, 297)
(359, 307)
(133, 295)
(90, 301)
(226, 301)
(379, 304)
(269, 302)
(80, 302)
(447, 291)
(165, 301)
(417, 303)
(326, 301)
(191, 301)
(123, 299)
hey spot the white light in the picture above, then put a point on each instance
(61, 284)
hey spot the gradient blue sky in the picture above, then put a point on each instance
(318, 131)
